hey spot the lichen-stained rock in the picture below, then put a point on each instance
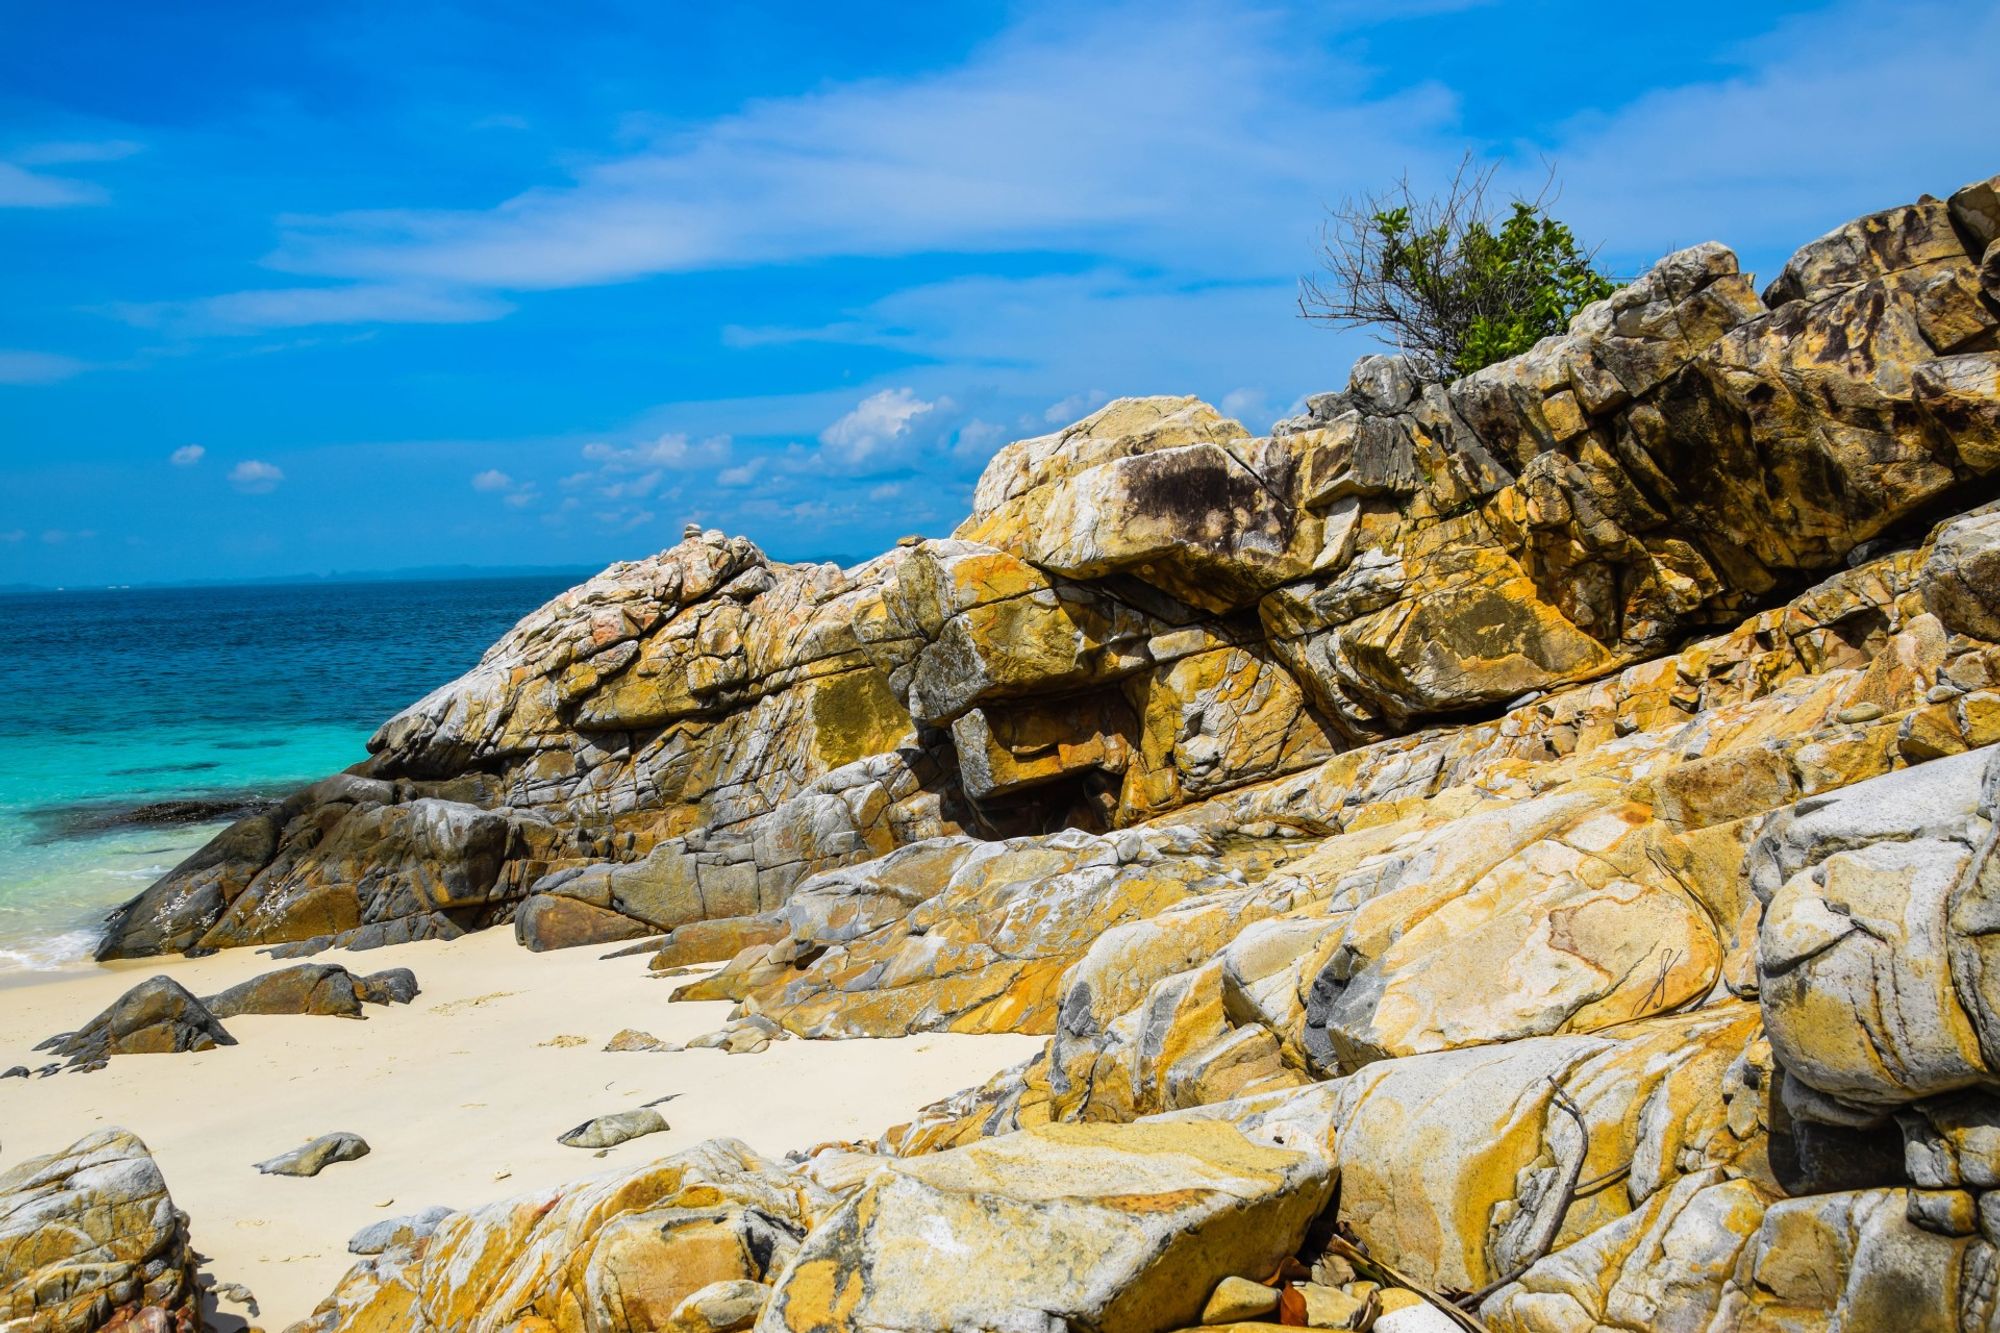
(1662, 1267)
(700, 689)
(1122, 1228)
(1852, 1261)
(956, 624)
(1211, 523)
(1960, 577)
(557, 921)
(1872, 937)
(983, 954)
(90, 1238)
(1577, 930)
(604, 1255)
(1145, 1024)
(1451, 1164)
(1166, 489)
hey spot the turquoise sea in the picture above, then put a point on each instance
(112, 700)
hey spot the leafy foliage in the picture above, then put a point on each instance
(1447, 281)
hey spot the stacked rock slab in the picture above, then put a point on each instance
(1149, 608)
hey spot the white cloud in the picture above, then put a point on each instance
(58, 536)
(635, 477)
(1074, 408)
(187, 455)
(978, 439)
(1250, 406)
(742, 474)
(876, 423)
(37, 367)
(253, 476)
(493, 479)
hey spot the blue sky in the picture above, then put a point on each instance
(307, 287)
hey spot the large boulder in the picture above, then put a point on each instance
(306, 988)
(1123, 1228)
(1873, 946)
(90, 1238)
(157, 1016)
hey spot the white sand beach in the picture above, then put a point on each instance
(461, 1094)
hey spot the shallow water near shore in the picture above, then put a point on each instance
(116, 699)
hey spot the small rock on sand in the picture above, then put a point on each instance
(631, 1039)
(312, 1158)
(609, 1130)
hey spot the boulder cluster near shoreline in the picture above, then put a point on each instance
(1511, 855)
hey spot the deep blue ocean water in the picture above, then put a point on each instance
(119, 698)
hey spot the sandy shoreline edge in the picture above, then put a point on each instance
(500, 1053)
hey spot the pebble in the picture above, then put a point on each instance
(1236, 1299)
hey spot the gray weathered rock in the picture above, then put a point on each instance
(608, 1131)
(312, 1158)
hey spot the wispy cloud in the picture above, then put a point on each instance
(1848, 107)
(1122, 121)
(38, 367)
(187, 455)
(257, 310)
(68, 152)
(21, 187)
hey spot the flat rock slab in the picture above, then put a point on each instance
(608, 1130)
(312, 1158)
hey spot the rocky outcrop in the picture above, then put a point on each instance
(1152, 607)
(90, 1239)
(1556, 806)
